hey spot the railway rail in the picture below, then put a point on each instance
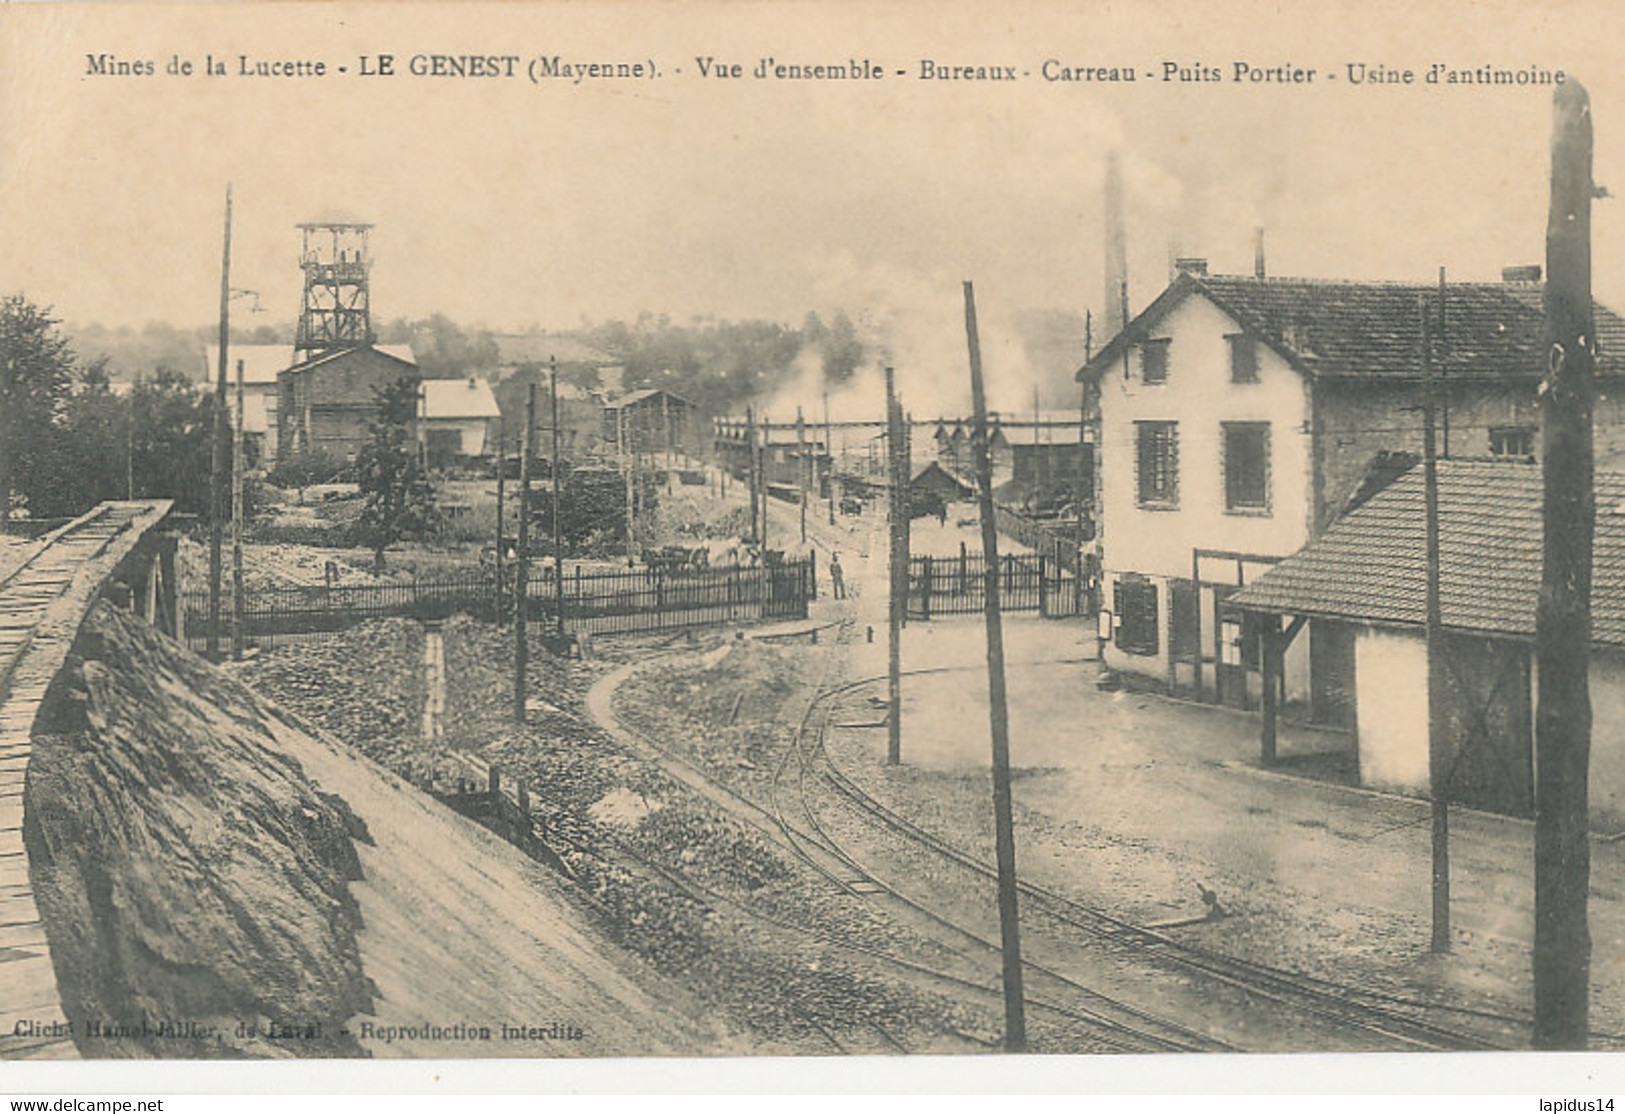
(1378, 1019)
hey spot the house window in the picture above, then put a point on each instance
(1135, 600)
(1516, 442)
(1243, 358)
(1154, 361)
(1246, 466)
(1157, 463)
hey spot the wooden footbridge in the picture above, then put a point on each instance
(121, 552)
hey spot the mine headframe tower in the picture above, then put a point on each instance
(336, 311)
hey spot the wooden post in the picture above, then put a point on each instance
(502, 488)
(925, 589)
(521, 591)
(1015, 1023)
(1196, 637)
(558, 529)
(896, 556)
(829, 457)
(1562, 955)
(750, 471)
(1439, 744)
(801, 470)
(217, 448)
(1271, 651)
(237, 465)
(1043, 590)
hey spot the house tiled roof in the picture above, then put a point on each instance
(1370, 565)
(1371, 330)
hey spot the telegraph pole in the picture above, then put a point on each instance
(1083, 452)
(1562, 956)
(1015, 1023)
(237, 463)
(801, 461)
(829, 454)
(502, 486)
(521, 591)
(1439, 757)
(217, 447)
(750, 472)
(558, 528)
(897, 520)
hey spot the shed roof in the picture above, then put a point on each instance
(1340, 329)
(458, 399)
(1370, 565)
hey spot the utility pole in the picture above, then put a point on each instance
(558, 528)
(217, 447)
(829, 455)
(521, 591)
(1084, 453)
(237, 464)
(1562, 957)
(502, 486)
(1004, 839)
(897, 520)
(750, 468)
(1439, 756)
(801, 470)
(129, 455)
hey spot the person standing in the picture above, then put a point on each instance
(837, 579)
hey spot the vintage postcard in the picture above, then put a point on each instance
(881, 533)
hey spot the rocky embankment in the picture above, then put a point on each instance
(217, 880)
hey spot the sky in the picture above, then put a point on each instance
(513, 204)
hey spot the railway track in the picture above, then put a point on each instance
(1389, 1019)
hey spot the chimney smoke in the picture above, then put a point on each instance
(1258, 252)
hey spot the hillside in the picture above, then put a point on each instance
(216, 880)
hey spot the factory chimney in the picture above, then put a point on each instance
(1258, 252)
(1116, 250)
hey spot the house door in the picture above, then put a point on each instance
(1331, 673)
(1229, 649)
(1489, 725)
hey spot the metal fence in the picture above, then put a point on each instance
(596, 602)
(956, 585)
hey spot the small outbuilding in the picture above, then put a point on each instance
(1360, 591)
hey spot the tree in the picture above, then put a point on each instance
(36, 376)
(304, 468)
(170, 449)
(400, 502)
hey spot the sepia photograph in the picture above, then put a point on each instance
(894, 536)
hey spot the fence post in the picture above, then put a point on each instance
(1043, 593)
(925, 589)
(963, 569)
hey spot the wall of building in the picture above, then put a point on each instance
(1199, 395)
(330, 406)
(1391, 671)
(1607, 744)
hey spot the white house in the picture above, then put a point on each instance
(1239, 416)
(456, 418)
(261, 365)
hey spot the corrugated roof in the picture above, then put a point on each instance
(261, 362)
(1370, 565)
(454, 399)
(1371, 330)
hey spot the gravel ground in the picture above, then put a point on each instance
(662, 871)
